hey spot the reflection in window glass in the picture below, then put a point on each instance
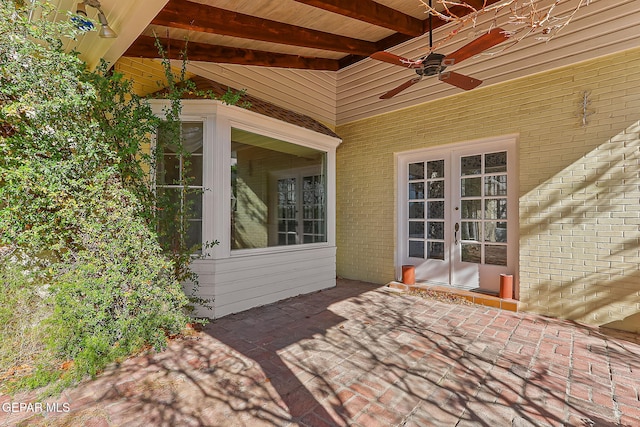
(435, 210)
(495, 162)
(416, 171)
(471, 165)
(416, 210)
(435, 169)
(436, 230)
(471, 187)
(416, 190)
(416, 249)
(436, 189)
(435, 250)
(471, 252)
(278, 192)
(495, 254)
(416, 229)
(495, 185)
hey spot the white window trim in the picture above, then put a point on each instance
(218, 120)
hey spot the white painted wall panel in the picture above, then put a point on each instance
(240, 283)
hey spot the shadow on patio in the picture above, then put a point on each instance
(361, 355)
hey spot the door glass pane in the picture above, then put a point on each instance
(435, 230)
(435, 210)
(416, 249)
(471, 165)
(416, 190)
(495, 209)
(471, 209)
(416, 229)
(495, 185)
(435, 250)
(470, 230)
(416, 171)
(416, 210)
(495, 232)
(495, 162)
(471, 252)
(435, 169)
(471, 187)
(495, 254)
(436, 190)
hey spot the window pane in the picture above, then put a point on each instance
(471, 165)
(416, 229)
(436, 190)
(471, 252)
(169, 170)
(435, 210)
(495, 185)
(416, 210)
(193, 166)
(471, 187)
(435, 169)
(496, 255)
(435, 230)
(495, 209)
(471, 209)
(470, 230)
(495, 232)
(193, 205)
(495, 162)
(416, 190)
(279, 190)
(416, 249)
(416, 171)
(194, 235)
(435, 250)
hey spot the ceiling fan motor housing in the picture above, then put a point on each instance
(431, 65)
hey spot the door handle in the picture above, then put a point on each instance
(455, 233)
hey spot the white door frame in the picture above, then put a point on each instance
(449, 152)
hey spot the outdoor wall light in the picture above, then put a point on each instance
(84, 24)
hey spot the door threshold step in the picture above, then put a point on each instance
(483, 297)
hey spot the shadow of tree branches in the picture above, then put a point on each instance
(365, 356)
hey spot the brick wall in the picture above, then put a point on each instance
(579, 185)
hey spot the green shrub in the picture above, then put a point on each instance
(82, 276)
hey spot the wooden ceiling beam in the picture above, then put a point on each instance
(208, 19)
(145, 47)
(373, 13)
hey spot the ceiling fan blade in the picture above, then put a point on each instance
(403, 86)
(479, 45)
(395, 59)
(460, 80)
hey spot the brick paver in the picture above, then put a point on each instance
(361, 355)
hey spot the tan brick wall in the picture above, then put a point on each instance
(579, 185)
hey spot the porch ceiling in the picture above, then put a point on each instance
(303, 34)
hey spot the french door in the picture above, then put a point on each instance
(458, 213)
(298, 208)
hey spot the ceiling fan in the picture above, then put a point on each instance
(435, 63)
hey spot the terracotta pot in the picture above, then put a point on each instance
(408, 274)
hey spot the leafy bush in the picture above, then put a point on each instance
(83, 277)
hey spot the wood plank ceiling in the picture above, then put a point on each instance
(302, 34)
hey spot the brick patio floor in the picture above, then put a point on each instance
(366, 356)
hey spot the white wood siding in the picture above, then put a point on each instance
(239, 283)
(603, 27)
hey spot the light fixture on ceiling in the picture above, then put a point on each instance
(85, 24)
